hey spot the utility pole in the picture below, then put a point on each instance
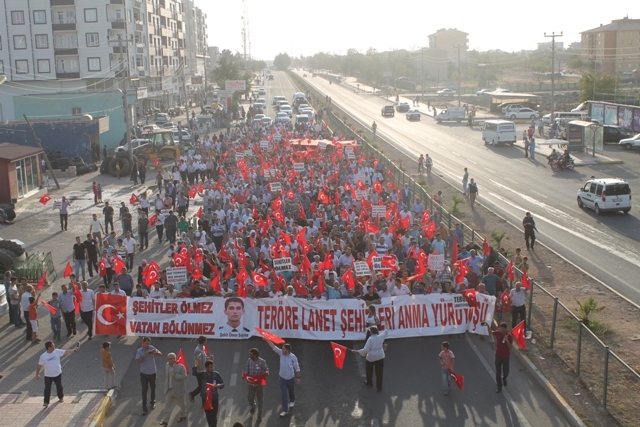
(125, 101)
(553, 77)
(459, 46)
(422, 72)
(186, 97)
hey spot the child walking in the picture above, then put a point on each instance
(446, 363)
(33, 318)
(108, 368)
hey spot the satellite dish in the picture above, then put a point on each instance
(3, 78)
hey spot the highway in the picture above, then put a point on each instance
(604, 246)
(328, 397)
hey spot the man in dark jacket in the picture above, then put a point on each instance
(211, 381)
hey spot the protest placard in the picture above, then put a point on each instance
(282, 264)
(322, 144)
(176, 275)
(376, 262)
(436, 262)
(275, 186)
(298, 167)
(378, 211)
(361, 268)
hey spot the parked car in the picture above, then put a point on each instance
(278, 98)
(629, 143)
(283, 118)
(523, 113)
(446, 92)
(612, 133)
(413, 115)
(608, 194)
(507, 108)
(262, 91)
(186, 136)
(286, 109)
(388, 110)
(481, 92)
(150, 128)
(266, 121)
(403, 107)
(162, 118)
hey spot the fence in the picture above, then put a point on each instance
(611, 381)
(35, 264)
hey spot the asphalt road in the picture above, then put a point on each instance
(604, 246)
(329, 397)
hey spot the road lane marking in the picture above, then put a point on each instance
(232, 383)
(227, 419)
(521, 418)
(539, 194)
(490, 170)
(233, 380)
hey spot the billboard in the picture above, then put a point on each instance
(235, 85)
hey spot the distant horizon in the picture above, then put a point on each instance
(336, 26)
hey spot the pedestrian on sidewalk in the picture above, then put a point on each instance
(200, 356)
(94, 188)
(49, 362)
(473, 192)
(24, 303)
(146, 358)
(465, 181)
(33, 318)
(447, 359)
(504, 343)
(108, 368)
(142, 172)
(532, 148)
(526, 147)
(518, 298)
(529, 230)
(67, 300)
(212, 382)
(86, 307)
(134, 173)
(175, 379)
(55, 319)
(64, 213)
(108, 212)
(14, 302)
(373, 350)
(79, 257)
(255, 366)
(289, 375)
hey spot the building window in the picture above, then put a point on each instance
(39, 17)
(42, 41)
(44, 66)
(17, 17)
(0, 42)
(76, 111)
(94, 64)
(22, 66)
(91, 15)
(1, 67)
(93, 40)
(19, 42)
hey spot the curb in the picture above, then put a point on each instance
(103, 408)
(566, 409)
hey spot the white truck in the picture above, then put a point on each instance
(451, 114)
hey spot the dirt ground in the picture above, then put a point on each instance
(569, 285)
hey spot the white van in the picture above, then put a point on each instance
(497, 132)
(607, 194)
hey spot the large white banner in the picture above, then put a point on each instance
(289, 317)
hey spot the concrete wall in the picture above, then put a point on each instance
(61, 105)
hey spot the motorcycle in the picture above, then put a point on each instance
(557, 164)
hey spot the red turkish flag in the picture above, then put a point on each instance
(426, 217)
(254, 379)
(152, 220)
(42, 281)
(458, 379)
(291, 194)
(429, 230)
(526, 282)
(271, 337)
(200, 188)
(391, 186)
(78, 300)
(102, 267)
(361, 185)
(118, 264)
(133, 199)
(276, 204)
(462, 270)
(454, 249)
(485, 247)
(156, 163)
(390, 262)
(53, 310)
(45, 199)
(302, 213)
(370, 228)
(67, 270)
(240, 279)
(323, 197)
(510, 274)
(111, 314)
(259, 279)
(377, 187)
(349, 279)
(151, 276)
(518, 334)
(405, 223)
(199, 213)
(180, 260)
(208, 403)
(373, 254)
(423, 260)
(192, 192)
(339, 354)
(471, 296)
(504, 298)
(279, 281)
(278, 215)
(224, 255)
(215, 282)
(180, 359)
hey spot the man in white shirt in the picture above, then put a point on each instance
(95, 228)
(129, 243)
(400, 289)
(374, 352)
(86, 307)
(170, 292)
(156, 292)
(50, 362)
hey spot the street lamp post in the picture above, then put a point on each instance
(553, 67)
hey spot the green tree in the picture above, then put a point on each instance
(598, 86)
(228, 68)
(282, 61)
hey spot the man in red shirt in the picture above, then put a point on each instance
(504, 342)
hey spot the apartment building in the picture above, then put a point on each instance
(613, 48)
(74, 50)
(448, 40)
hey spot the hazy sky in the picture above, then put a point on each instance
(304, 27)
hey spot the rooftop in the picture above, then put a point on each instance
(624, 24)
(11, 152)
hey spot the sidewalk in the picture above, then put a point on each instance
(27, 411)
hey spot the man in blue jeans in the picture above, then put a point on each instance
(289, 375)
(146, 358)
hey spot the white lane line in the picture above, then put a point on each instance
(233, 380)
(539, 194)
(473, 162)
(232, 383)
(505, 392)
(227, 419)
(490, 170)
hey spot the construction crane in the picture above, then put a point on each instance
(246, 38)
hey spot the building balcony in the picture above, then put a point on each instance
(139, 26)
(65, 51)
(165, 12)
(71, 26)
(166, 32)
(62, 3)
(68, 75)
(118, 24)
(116, 1)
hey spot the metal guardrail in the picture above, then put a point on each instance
(609, 378)
(35, 264)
